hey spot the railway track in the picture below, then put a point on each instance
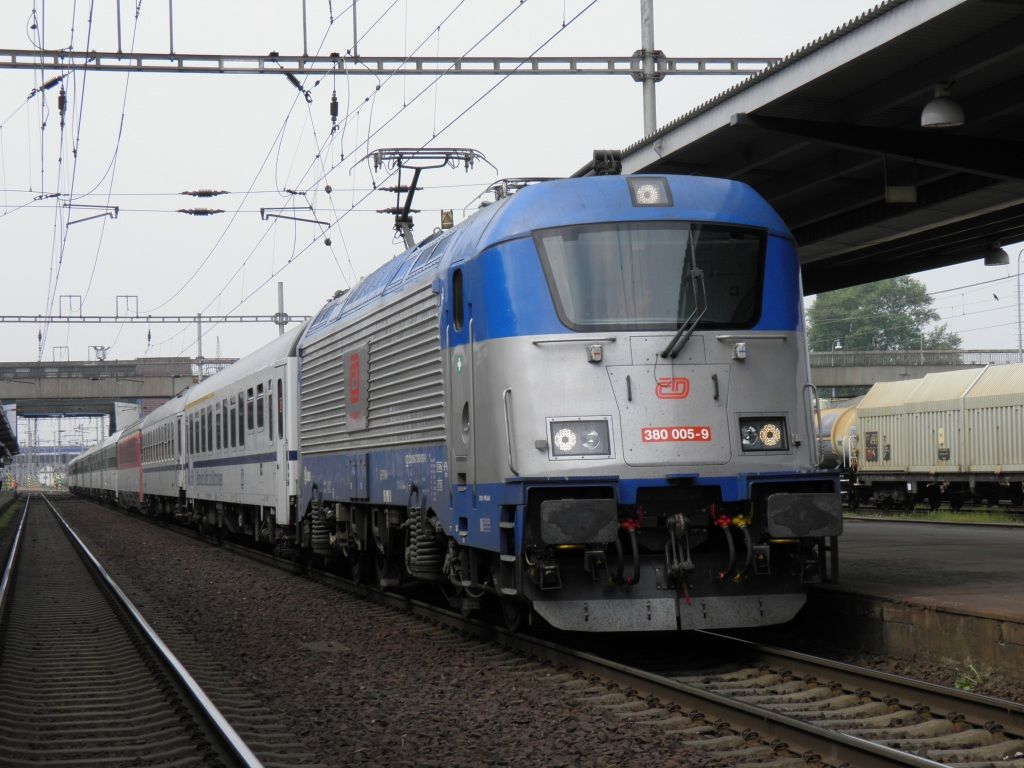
(746, 704)
(83, 680)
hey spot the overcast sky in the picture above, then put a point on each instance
(137, 141)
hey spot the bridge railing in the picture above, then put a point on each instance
(914, 357)
(110, 369)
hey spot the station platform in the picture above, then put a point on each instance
(938, 593)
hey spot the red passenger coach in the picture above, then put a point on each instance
(129, 467)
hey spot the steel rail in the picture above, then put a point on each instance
(939, 699)
(7, 580)
(221, 728)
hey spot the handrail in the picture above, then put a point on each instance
(913, 357)
(508, 431)
(815, 414)
(572, 340)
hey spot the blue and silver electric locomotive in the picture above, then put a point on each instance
(591, 398)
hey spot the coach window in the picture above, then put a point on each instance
(234, 425)
(248, 409)
(217, 430)
(458, 314)
(259, 406)
(280, 409)
(209, 426)
(202, 431)
(224, 421)
(191, 437)
(241, 420)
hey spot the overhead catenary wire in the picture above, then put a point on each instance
(369, 191)
(279, 136)
(367, 194)
(448, 125)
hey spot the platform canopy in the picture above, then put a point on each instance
(8, 441)
(832, 136)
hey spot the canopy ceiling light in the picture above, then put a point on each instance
(942, 111)
(996, 256)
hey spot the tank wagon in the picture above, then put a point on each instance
(590, 400)
(954, 436)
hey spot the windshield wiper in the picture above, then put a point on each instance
(700, 306)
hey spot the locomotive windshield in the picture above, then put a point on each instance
(637, 275)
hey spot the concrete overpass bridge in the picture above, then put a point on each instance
(862, 369)
(92, 388)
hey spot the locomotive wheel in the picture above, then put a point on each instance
(388, 567)
(360, 565)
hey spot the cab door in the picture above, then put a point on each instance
(461, 422)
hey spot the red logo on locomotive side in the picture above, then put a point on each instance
(353, 378)
(673, 389)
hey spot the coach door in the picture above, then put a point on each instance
(180, 456)
(280, 441)
(461, 421)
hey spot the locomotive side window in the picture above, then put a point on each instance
(653, 275)
(458, 313)
(241, 420)
(259, 406)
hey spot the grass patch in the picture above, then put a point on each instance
(10, 512)
(942, 515)
(970, 678)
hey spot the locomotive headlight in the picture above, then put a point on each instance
(564, 440)
(748, 434)
(647, 190)
(763, 434)
(579, 438)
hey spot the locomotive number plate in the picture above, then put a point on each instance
(675, 434)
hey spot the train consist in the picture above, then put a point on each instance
(956, 436)
(590, 400)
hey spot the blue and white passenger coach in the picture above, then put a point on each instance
(592, 398)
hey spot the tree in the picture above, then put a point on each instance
(890, 314)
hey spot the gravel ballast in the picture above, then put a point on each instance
(358, 683)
